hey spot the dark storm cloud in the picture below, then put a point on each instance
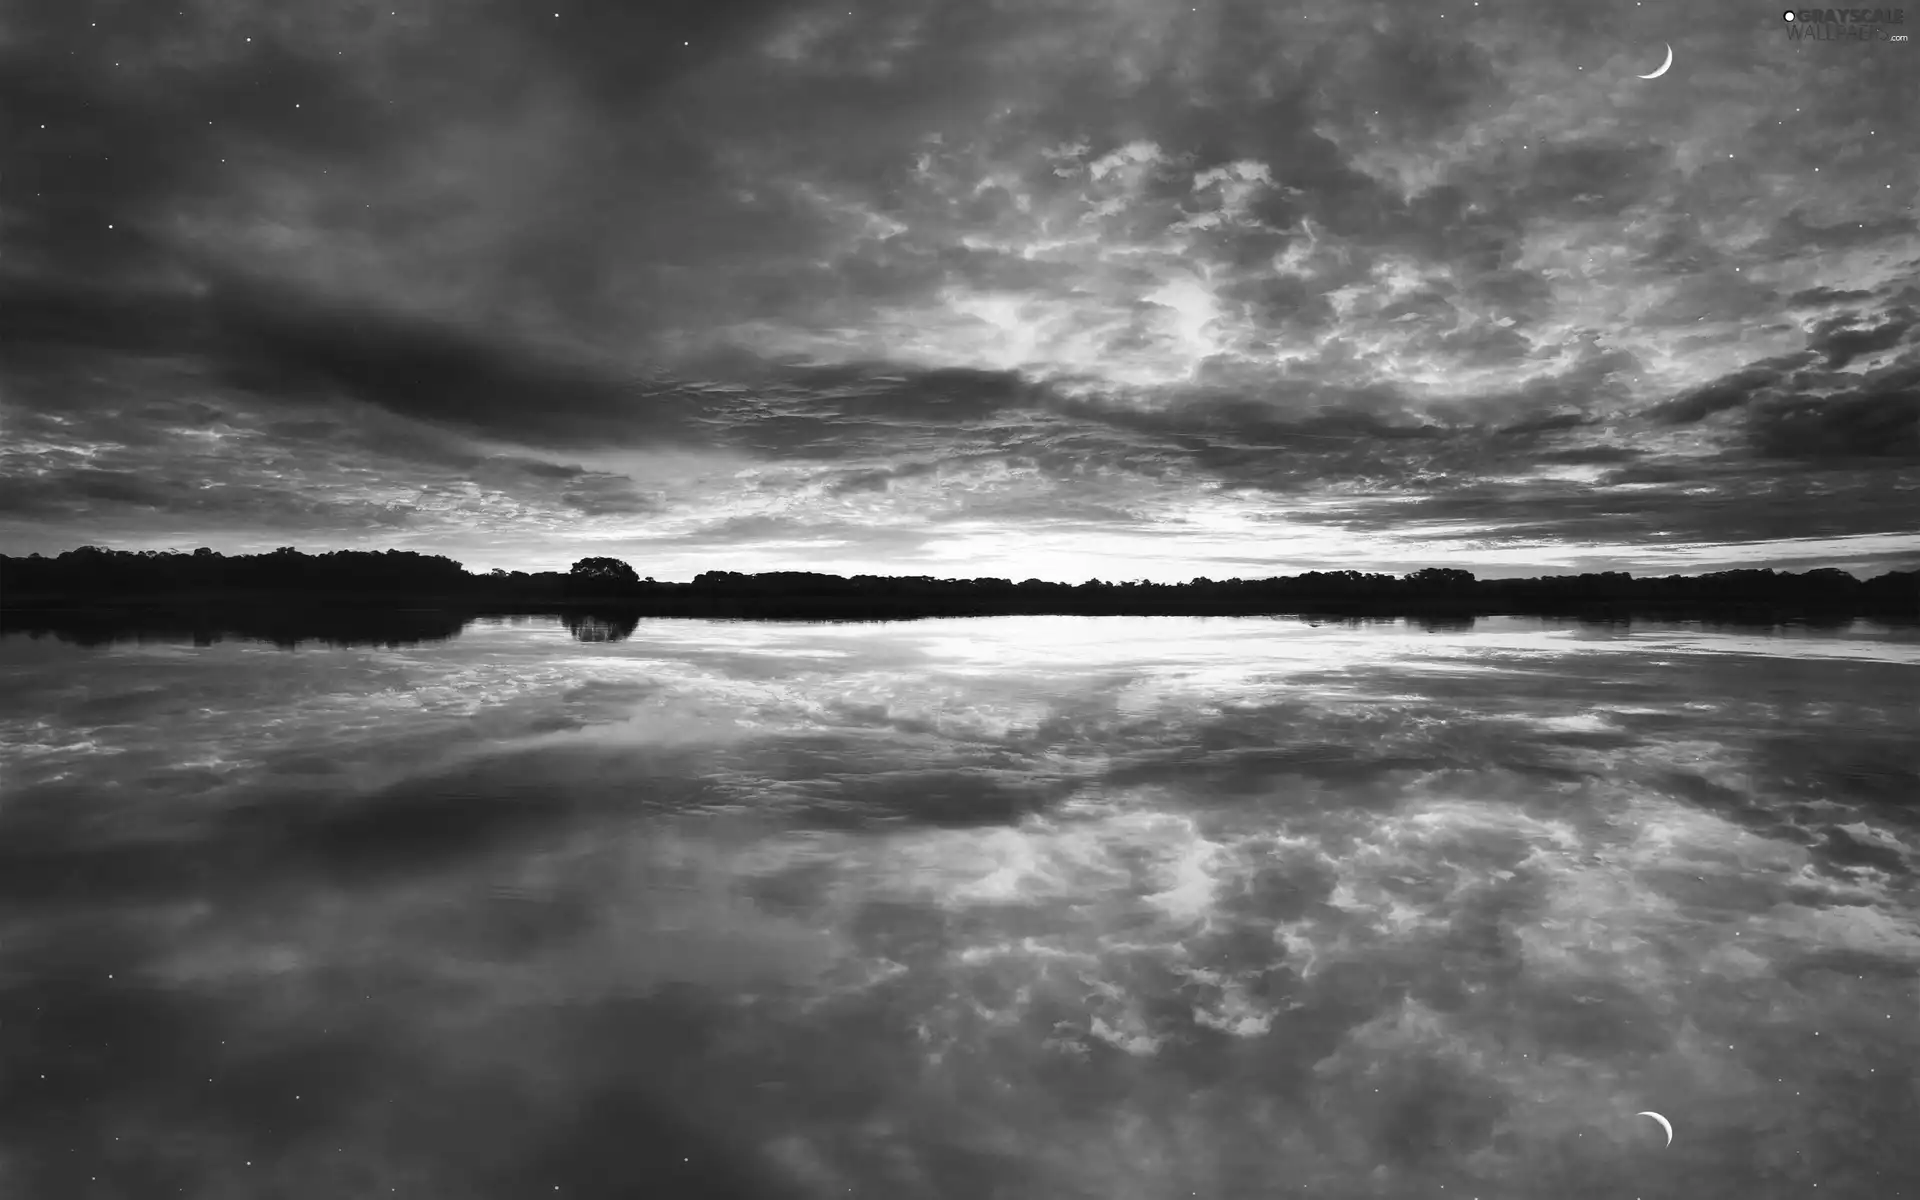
(1790, 411)
(286, 343)
(275, 341)
(1729, 391)
(1739, 505)
(1552, 424)
(50, 321)
(1841, 343)
(1879, 419)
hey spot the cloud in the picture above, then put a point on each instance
(1824, 297)
(1552, 424)
(289, 345)
(1731, 391)
(1880, 419)
(1842, 345)
(1691, 503)
(1102, 262)
(55, 495)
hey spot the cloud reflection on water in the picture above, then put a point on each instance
(1061, 907)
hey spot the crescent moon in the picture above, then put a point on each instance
(1663, 66)
(1664, 1123)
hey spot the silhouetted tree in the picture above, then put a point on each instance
(604, 570)
(601, 577)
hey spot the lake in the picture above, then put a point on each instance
(992, 909)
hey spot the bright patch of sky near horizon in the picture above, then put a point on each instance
(1085, 289)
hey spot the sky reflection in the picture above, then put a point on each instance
(1044, 907)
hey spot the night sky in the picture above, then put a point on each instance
(1055, 288)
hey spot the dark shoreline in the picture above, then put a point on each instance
(399, 621)
(406, 596)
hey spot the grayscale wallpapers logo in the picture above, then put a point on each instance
(1844, 24)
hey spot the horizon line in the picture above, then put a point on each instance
(476, 573)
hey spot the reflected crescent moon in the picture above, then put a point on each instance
(1664, 1123)
(1663, 66)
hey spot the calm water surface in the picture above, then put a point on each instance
(1114, 908)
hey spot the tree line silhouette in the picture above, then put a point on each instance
(92, 577)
